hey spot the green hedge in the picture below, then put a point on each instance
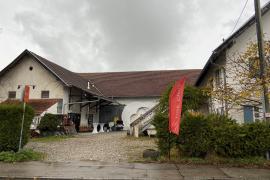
(195, 135)
(202, 135)
(10, 126)
(49, 123)
(243, 140)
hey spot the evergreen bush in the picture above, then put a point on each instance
(49, 123)
(195, 135)
(10, 126)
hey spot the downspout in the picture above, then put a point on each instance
(225, 89)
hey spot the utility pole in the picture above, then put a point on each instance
(258, 19)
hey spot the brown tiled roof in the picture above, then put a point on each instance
(39, 105)
(114, 84)
(68, 77)
(138, 83)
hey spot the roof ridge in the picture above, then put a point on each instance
(112, 72)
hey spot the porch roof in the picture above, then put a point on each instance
(39, 105)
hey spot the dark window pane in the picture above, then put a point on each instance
(12, 94)
(45, 94)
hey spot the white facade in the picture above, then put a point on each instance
(28, 71)
(135, 107)
(239, 46)
(39, 78)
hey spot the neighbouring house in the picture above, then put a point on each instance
(89, 99)
(216, 72)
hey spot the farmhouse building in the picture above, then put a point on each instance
(87, 98)
(216, 71)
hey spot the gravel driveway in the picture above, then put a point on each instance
(108, 147)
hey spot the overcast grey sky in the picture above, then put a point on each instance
(118, 35)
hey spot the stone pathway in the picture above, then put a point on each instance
(107, 147)
(102, 170)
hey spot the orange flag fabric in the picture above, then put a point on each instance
(26, 94)
(175, 106)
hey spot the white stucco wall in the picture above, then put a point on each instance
(39, 76)
(134, 107)
(84, 113)
(239, 46)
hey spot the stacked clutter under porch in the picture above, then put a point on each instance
(92, 113)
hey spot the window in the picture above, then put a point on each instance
(12, 94)
(218, 77)
(60, 106)
(45, 94)
(256, 112)
(248, 114)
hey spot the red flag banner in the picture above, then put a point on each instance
(175, 106)
(26, 94)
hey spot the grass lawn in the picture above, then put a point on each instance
(51, 138)
(23, 155)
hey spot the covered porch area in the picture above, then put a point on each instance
(92, 113)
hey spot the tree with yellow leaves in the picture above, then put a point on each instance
(243, 85)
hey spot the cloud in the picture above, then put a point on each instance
(121, 35)
(107, 35)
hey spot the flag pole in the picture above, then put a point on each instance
(169, 145)
(21, 134)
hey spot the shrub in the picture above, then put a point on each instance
(10, 126)
(217, 134)
(163, 135)
(23, 155)
(243, 140)
(49, 122)
(257, 136)
(196, 135)
(192, 100)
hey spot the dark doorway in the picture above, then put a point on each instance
(109, 112)
(76, 119)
